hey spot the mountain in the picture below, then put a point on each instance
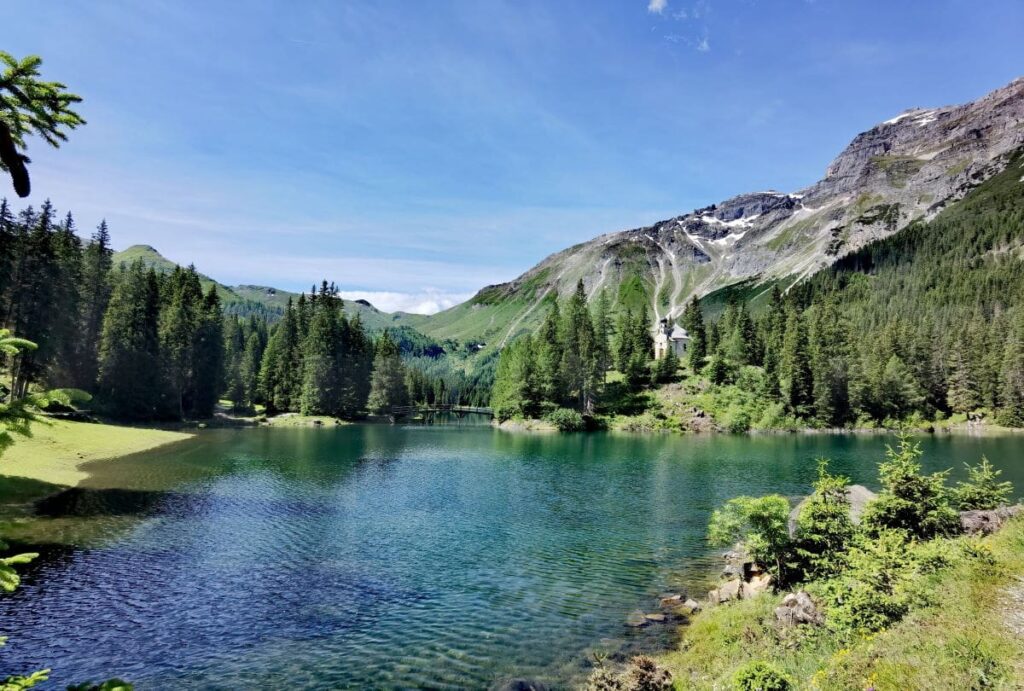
(248, 299)
(904, 169)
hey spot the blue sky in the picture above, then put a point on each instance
(416, 151)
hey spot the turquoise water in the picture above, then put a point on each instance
(394, 557)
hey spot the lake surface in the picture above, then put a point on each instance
(394, 557)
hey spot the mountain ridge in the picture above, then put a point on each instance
(904, 169)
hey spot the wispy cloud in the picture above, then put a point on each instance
(657, 6)
(703, 44)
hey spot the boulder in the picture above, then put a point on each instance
(985, 522)
(691, 606)
(726, 592)
(798, 608)
(859, 496)
(655, 617)
(755, 586)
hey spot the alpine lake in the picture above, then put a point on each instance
(372, 556)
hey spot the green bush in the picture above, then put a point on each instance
(567, 420)
(823, 526)
(878, 586)
(982, 490)
(911, 501)
(761, 523)
(760, 676)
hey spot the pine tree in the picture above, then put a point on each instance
(249, 365)
(234, 345)
(64, 365)
(796, 367)
(275, 364)
(179, 320)
(207, 381)
(517, 390)
(693, 322)
(130, 382)
(549, 356)
(963, 389)
(33, 296)
(1011, 411)
(387, 385)
(355, 356)
(602, 320)
(97, 262)
(322, 377)
(666, 367)
(578, 352)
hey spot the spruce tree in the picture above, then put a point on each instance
(963, 389)
(602, 320)
(693, 322)
(97, 262)
(207, 381)
(796, 367)
(549, 356)
(179, 320)
(249, 365)
(322, 377)
(387, 385)
(1011, 411)
(130, 382)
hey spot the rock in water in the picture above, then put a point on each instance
(636, 619)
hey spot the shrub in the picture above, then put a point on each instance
(911, 501)
(761, 523)
(737, 419)
(823, 525)
(878, 586)
(982, 490)
(760, 676)
(567, 420)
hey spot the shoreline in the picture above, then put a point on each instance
(56, 451)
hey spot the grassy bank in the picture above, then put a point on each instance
(57, 449)
(970, 635)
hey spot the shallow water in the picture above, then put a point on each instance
(394, 557)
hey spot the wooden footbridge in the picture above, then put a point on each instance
(428, 411)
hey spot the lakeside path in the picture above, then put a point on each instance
(57, 449)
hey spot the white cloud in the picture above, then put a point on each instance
(657, 6)
(703, 45)
(427, 301)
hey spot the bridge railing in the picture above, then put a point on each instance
(405, 410)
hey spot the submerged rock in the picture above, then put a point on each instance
(636, 619)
